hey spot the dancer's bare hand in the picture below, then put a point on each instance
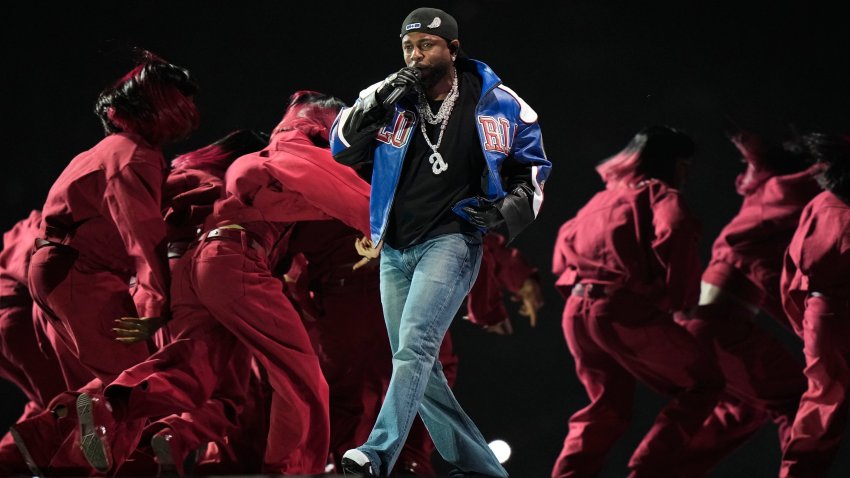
(502, 328)
(532, 299)
(137, 329)
(366, 248)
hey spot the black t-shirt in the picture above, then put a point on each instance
(423, 202)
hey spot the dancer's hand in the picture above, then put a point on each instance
(532, 299)
(366, 248)
(502, 328)
(137, 329)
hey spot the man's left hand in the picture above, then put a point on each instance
(485, 216)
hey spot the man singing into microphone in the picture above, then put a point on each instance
(454, 153)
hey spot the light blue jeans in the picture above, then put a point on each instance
(422, 288)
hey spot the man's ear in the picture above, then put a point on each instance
(454, 46)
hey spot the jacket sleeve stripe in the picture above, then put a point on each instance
(537, 200)
(343, 118)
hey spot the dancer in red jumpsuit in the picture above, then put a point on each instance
(26, 358)
(194, 183)
(225, 288)
(626, 262)
(102, 220)
(102, 224)
(764, 380)
(816, 297)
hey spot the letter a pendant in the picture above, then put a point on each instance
(438, 165)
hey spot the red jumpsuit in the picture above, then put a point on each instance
(26, 359)
(226, 282)
(816, 297)
(190, 195)
(626, 262)
(104, 222)
(502, 268)
(763, 379)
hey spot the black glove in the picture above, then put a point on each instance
(485, 216)
(397, 85)
(516, 209)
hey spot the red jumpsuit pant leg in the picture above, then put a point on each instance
(23, 360)
(764, 382)
(237, 287)
(84, 303)
(202, 371)
(822, 417)
(73, 373)
(594, 429)
(662, 354)
(630, 332)
(226, 368)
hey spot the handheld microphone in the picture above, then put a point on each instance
(401, 90)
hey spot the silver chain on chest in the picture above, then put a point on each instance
(438, 164)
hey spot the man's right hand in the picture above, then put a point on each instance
(406, 77)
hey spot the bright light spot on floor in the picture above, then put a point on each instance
(329, 468)
(501, 449)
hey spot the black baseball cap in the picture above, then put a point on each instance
(430, 20)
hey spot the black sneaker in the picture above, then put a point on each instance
(355, 462)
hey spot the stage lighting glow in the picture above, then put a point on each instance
(501, 449)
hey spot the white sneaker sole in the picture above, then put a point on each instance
(92, 444)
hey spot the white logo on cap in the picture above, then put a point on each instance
(436, 23)
(411, 26)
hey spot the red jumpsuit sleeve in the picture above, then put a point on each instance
(330, 187)
(817, 259)
(793, 299)
(566, 276)
(133, 199)
(189, 196)
(675, 247)
(828, 263)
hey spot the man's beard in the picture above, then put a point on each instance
(435, 74)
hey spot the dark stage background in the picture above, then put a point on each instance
(595, 73)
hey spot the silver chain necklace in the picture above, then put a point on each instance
(438, 164)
